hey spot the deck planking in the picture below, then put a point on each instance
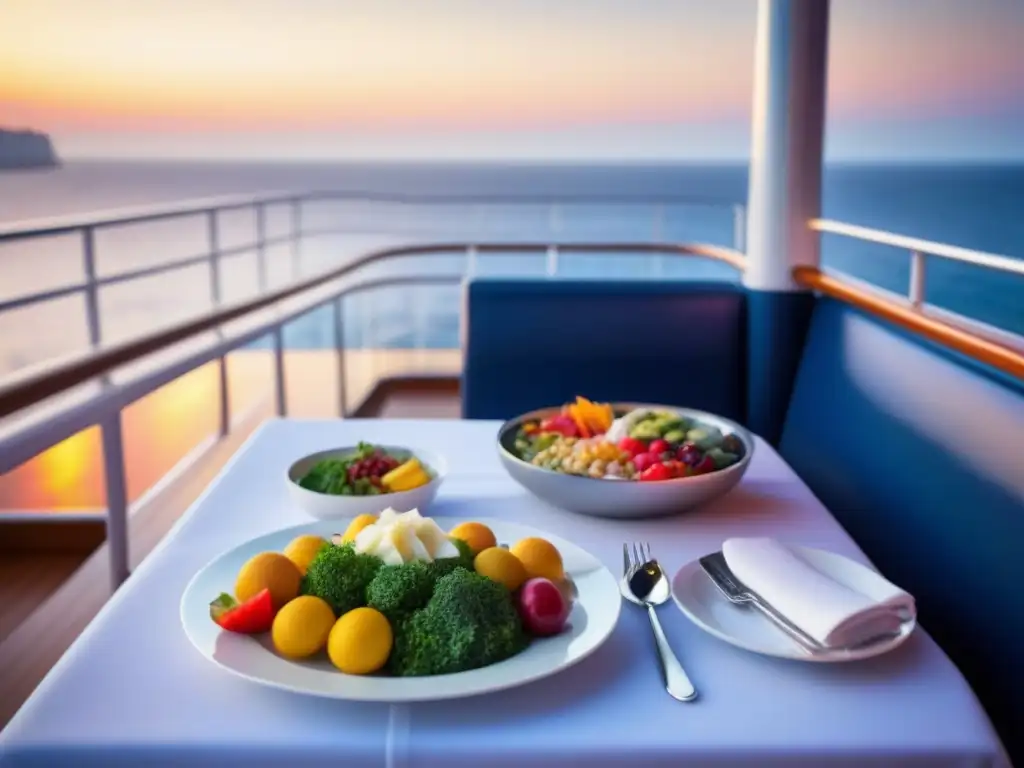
(28, 579)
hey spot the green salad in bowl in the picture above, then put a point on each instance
(365, 479)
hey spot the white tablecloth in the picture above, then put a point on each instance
(133, 692)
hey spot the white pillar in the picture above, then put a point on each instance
(788, 140)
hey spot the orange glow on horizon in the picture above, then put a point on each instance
(248, 66)
(206, 66)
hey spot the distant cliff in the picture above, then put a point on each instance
(26, 149)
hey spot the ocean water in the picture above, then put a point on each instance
(979, 207)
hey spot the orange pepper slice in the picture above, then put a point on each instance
(580, 419)
(598, 418)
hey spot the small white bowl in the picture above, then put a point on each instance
(328, 507)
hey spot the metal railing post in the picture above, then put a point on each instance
(470, 261)
(213, 241)
(339, 348)
(213, 238)
(92, 294)
(296, 238)
(417, 302)
(281, 400)
(917, 278)
(552, 261)
(261, 247)
(555, 227)
(117, 499)
(554, 219)
(739, 228)
(477, 228)
(658, 234)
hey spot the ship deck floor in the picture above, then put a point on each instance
(47, 597)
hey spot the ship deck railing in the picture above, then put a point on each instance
(42, 405)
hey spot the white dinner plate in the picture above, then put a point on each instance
(594, 615)
(747, 628)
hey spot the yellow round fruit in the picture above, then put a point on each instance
(357, 525)
(501, 566)
(540, 558)
(360, 642)
(300, 629)
(303, 549)
(268, 570)
(477, 535)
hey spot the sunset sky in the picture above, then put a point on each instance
(475, 78)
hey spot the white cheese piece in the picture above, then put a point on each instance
(401, 537)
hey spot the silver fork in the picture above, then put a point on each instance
(644, 583)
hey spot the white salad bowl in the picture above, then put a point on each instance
(326, 506)
(599, 497)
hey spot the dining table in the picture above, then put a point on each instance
(133, 691)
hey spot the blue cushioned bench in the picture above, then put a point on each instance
(920, 456)
(538, 342)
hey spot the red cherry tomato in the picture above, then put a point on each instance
(253, 616)
(632, 446)
(656, 472)
(677, 468)
(659, 446)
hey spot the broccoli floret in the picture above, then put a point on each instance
(470, 622)
(446, 565)
(398, 590)
(340, 575)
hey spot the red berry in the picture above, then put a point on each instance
(659, 446)
(656, 472)
(644, 460)
(689, 453)
(705, 465)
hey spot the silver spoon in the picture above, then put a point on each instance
(644, 583)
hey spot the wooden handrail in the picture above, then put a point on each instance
(914, 320)
(31, 387)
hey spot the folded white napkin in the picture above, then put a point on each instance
(847, 606)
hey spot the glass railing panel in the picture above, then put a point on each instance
(995, 298)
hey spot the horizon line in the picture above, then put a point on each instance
(537, 160)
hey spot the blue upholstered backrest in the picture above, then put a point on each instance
(921, 457)
(540, 342)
